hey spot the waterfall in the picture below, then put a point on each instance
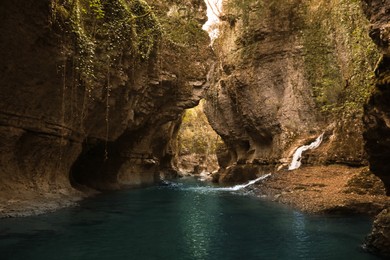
(214, 10)
(296, 160)
(242, 186)
(207, 189)
(234, 188)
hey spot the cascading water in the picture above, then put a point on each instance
(214, 10)
(181, 223)
(296, 161)
(211, 189)
(242, 186)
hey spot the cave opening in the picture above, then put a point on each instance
(93, 169)
(197, 143)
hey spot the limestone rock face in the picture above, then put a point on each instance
(93, 96)
(377, 111)
(279, 83)
(262, 98)
(377, 119)
(379, 240)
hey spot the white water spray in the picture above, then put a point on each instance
(207, 189)
(242, 186)
(234, 188)
(214, 10)
(296, 161)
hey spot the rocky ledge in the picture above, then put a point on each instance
(327, 189)
(334, 189)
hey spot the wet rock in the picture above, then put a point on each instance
(238, 174)
(378, 241)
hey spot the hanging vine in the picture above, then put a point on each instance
(109, 27)
(103, 32)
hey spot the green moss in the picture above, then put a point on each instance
(183, 30)
(96, 8)
(241, 9)
(190, 141)
(321, 66)
(104, 31)
(339, 55)
(147, 28)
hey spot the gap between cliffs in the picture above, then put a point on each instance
(93, 97)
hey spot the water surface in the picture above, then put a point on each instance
(183, 220)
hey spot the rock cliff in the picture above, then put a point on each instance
(92, 92)
(281, 82)
(379, 240)
(376, 119)
(377, 111)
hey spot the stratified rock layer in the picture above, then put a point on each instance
(93, 96)
(377, 111)
(280, 82)
(260, 99)
(377, 119)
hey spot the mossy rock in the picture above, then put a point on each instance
(105, 31)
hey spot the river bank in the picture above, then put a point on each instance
(28, 203)
(184, 219)
(312, 189)
(326, 189)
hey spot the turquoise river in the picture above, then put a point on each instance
(186, 219)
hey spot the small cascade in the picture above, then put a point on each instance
(206, 189)
(234, 188)
(242, 186)
(296, 161)
(214, 11)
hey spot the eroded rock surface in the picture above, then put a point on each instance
(279, 83)
(379, 240)
(377, 111)
(93, 96)
(377, 119)
(255, 105)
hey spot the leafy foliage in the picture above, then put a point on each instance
(196, 135)
(104, 31)
(181, 26)
(339, 55)
(97, 8)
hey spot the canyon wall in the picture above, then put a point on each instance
(377, 119)
(92, 92)
(377, 110)
(289, 70)
(279, 83)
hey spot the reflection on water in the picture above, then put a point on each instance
(198, 224)
(185, 220)
(302, 237)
